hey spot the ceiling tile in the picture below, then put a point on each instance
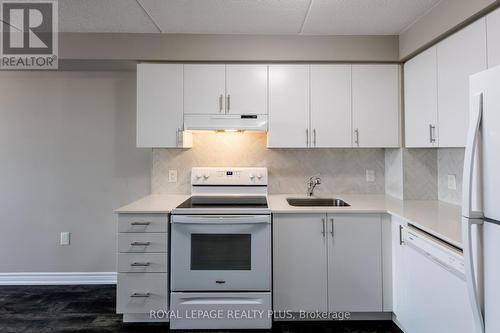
(103, 16)
(228, 16)
(363, 17)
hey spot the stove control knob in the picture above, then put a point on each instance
(198, 176)
(205, 176)
(252, 176)
(259, 176)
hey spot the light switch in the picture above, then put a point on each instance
(172, 176)
(452, 182)
(65, 236)
(370, 176)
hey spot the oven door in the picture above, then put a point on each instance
(223, 252)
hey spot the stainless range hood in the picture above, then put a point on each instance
(244, 122)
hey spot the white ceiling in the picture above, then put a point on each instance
(309, 17)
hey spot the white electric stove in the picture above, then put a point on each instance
(221, 251)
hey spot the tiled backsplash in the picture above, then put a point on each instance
(422, 174)
(450, 162)
(341, 170)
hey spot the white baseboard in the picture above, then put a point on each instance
(57, 278)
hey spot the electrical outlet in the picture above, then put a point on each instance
(370, 176)
(452, 182)
(172, 176)
(65, 238)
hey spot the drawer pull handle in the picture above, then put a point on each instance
(140, 223)
(220, 281)
(140, 243)
(140, 264)
(144, 295)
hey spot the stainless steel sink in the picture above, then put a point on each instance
(317, 202)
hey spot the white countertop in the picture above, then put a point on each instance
(437, 218)
(154, 203)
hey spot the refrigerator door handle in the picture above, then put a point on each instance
(470, 274)
(470, 150)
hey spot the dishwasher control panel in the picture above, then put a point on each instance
(436, 250)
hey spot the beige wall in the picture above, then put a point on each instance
(67, 160)
(178, 47)
(446, 16)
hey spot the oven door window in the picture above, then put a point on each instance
(221, 252)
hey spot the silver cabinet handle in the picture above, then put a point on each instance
(220, 103)
(431, 133)
(178, 138)
(145, 295)
(228, 102)
(323, 231)
(401, 241)
(314, 137)
(140, 264)
(356, 136)
(307, 137)
(331, 232)
(140, 223)
(140, 243)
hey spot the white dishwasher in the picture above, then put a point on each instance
(436, 295)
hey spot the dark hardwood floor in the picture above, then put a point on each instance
(81, 309)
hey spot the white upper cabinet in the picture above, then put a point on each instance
(355, 263)
(421, 104)
(375, 105)
(458, 57)
(204, 89)
(437, 88)
(331, 106)
(288, 106)
(493, 32)
(159, 106)
(246, 89)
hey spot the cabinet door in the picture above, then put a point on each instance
(204, 89)
(375, 105)
(299, 262)
(355, 263)
(246, 89)
(159, 105)
(420, 89)
(493, 33)
(458, 56)
(331, 106)
(399, 275)
(288, 106)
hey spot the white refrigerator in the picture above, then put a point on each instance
(481, 201)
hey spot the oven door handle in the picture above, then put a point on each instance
(225, 219)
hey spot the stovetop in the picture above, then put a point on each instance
(223, 204)
(202, 201)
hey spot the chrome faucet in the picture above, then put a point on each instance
(311, 184)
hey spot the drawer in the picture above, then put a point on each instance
(141, 292)
(142, 262)
(142, 223)
(142, 242)
(227, 303)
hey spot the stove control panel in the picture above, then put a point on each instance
(229, 176)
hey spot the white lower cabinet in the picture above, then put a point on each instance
(326, 262)
(355, 263)
(399, 274)
(141, 292)
(142, 284)
(299, 262)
